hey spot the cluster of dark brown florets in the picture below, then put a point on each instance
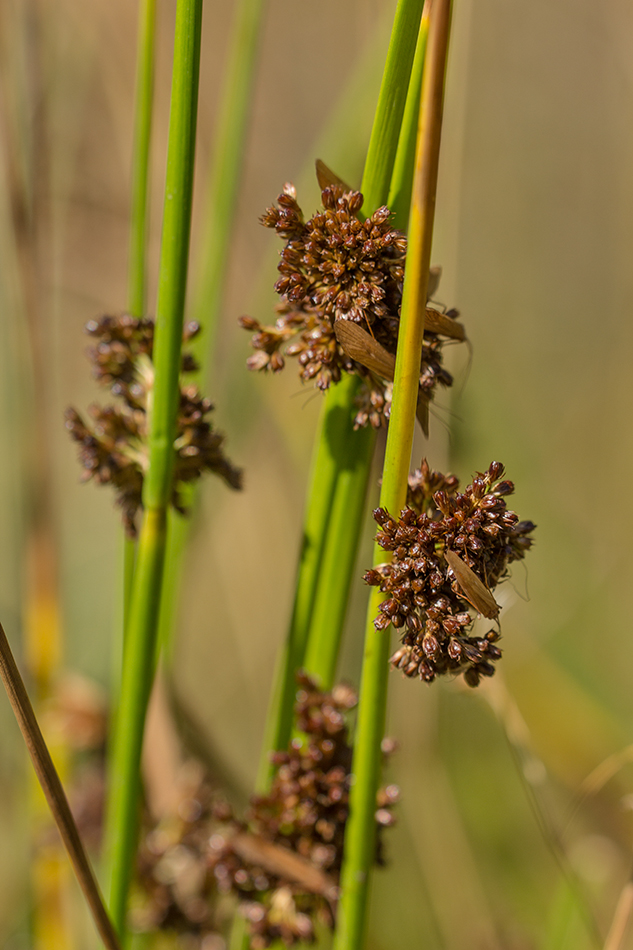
(113, 449)
(177, 888)
(427, 598)
(337, 266)
(284, 860)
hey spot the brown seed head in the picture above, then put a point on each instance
(430, 599)
(114, 450)
(337, 266)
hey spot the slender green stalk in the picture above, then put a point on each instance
(335, 427)
(339, 556)
(226, 170)
(383, 143)
(139, 227)
(137, 277)
(140, 645)
(331, 488)
(360, 833)
(224, 178)
(402, 179)
(138, 675)
(328, 466)
(349, 501)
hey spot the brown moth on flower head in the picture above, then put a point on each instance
(448, 547)
(365, 349)
(343, 265)
(475, 592)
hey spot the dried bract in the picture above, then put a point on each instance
(430, 599)
(337, 266)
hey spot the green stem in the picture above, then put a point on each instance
(402, 179)
(140, 645)
(226, 169)
(328, 492)
(221, 200)
(137, 278)
(138, 675)
(330, 459)
(348, 507)
(334, 428)
(385, 133)
(361, 827)
(339, 556)
(139, 226)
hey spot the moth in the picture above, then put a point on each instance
(364, 349)
(473, 589)
(284, 863)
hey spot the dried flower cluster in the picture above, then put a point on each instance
(178, 888)
(113, 450)
(283, 861)
(337, 266)
(426, 599)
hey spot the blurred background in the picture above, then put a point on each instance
(515, 823)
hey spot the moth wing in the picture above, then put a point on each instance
(434, 281)
(436, 322)
(282, 862)
(474, 589)
(422, 412)
(364, 349)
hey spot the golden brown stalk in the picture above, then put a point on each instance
(52, 788)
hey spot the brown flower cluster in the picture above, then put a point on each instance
(426, 598)
(113, 449)
(178, 891)
(284, 860)
(337, 266)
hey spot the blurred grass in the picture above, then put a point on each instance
(535, 233)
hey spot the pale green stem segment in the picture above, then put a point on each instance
(140, 642)
(385, 133)
(339, 555)
(361, 827)
(137, 278)
(402, 179)
(346, 517)
(139, 227)
(138, 674)
(335, 427)
(224, 179)
(226, 171)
